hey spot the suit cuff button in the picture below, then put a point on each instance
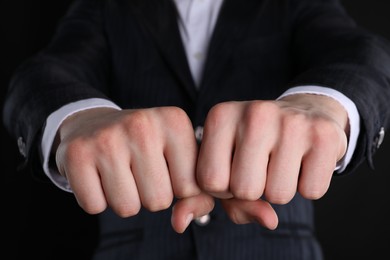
(379, 138)
(22, 147)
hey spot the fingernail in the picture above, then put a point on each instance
(188, 220)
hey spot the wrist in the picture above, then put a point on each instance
(319, 105)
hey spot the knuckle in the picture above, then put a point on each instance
(312, 193)
(178, 120)
(258, 116)
(75, 152)
(105, 140)
(127, 210)
(238, 216)
(280, 197)
(211, 183)
(219, 115)
(141, 129)
(175, 113)
(235, 216)
(246, 194)
(261, 111)
(158, 203)
(212, 186)
(255, 115)
(295, 123)
(263, 108)
(328, 131)
(208, 203)
(92, 208)
(137, 121)
(323, 132)
(330, 138)
(186, 191)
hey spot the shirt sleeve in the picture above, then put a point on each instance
(353, 116)
(52, 124)
(55, 119)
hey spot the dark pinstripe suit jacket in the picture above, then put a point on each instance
(131, 53)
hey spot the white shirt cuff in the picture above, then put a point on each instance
(350, 107)
(53, 122)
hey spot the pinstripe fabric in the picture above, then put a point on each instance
(150, 236)
(130, 51)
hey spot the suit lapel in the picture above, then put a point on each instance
(235, 18)
(160, 19)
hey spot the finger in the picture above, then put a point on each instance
(185, 210)
(243, 212)
(181, 153)
(315, 176)
(152, 178)
(318, 167)
(86, 186)
(250, 162)
(119, 185)
(75, 165)
(284, 165)
(215, 155)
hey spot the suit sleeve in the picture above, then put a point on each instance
(331, 51)
(74, 66)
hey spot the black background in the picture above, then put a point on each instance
(39, 221)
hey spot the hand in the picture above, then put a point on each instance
(132, 158)
(271, 149)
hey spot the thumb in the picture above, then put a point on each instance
(243, 211)
(187, 209)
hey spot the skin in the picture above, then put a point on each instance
(128, 159)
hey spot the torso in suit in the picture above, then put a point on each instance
(131, 53)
